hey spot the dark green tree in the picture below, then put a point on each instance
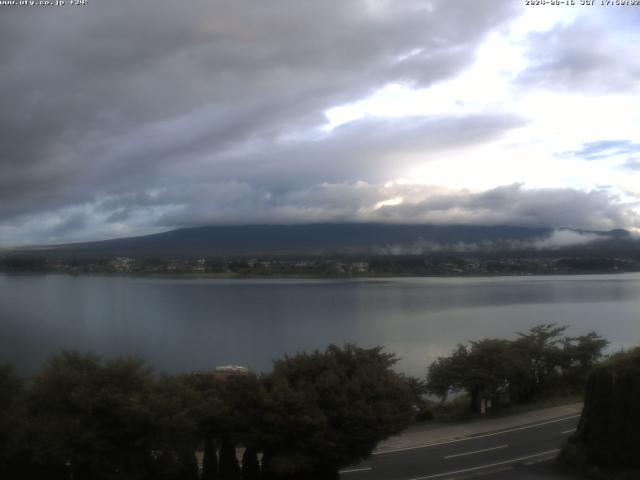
(188, 465)
(541, 346)
(91, 417)
(609, 430)
(484, 371)
(230, 413)
(540, 361)
(326, 410)
(241, 414)
(12, 421)
(209, 459)
(229, 466)
(250, 464)
(172, 403)
(581, 355)
(446, 374)
(209, 413)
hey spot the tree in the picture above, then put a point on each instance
(582, 354)
(446, 373)
(229, 467)
(12, 435)
(609, 430)
(175, 435)
(90, 417)
(484, 371)
(250, 464)
(329, 409)
(537, 362)
(229, 412)
(209, 460)
(492, 365)
(209, 412)
(542, 348)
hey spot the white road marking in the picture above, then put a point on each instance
(476, 451)
(353, 470)
(569, 431)
(465, 439)
(482, 467)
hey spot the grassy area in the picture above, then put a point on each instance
(457, 409)
(547, 402)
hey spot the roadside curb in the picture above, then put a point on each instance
(415, 437)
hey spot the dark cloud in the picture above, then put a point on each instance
(370, 150)
(123, 118)
(69, 224)
(505, 205)
(116, 98)
(515, 205)
(233, 202)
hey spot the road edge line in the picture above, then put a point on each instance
(482, 467)
(465, 439)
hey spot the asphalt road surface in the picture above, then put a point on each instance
(516, 452)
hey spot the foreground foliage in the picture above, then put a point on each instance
(539, 362)
(608, 433)
(85, 418)
(330, 409)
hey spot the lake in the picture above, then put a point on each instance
(182, 325)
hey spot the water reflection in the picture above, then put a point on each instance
(182, 325)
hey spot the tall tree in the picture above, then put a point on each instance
(12, 418)
(484, 371)
(230, 413)
(250, 464)
(446, 374)
(329, 409)
(91, 416)
(609, 430)
(229, 466)
(581, 355)
(209, 459)
(172, 403)
(537, 362)
(541, 347)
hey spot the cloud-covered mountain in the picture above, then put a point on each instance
(331, 239)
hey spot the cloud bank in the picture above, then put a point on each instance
(232, 203)
(121, 120)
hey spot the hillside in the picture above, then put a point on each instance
(348, 238)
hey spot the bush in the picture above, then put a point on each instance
(609, 431)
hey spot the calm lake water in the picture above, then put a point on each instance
(180, 325)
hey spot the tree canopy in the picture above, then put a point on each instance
(608, 434)
(331, 408)
(538, 361)
(87, 418)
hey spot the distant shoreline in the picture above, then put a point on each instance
(234, 276)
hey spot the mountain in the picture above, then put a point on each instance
(328, 238)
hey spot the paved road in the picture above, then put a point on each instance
(515, 452)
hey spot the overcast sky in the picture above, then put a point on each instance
(121, 117)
